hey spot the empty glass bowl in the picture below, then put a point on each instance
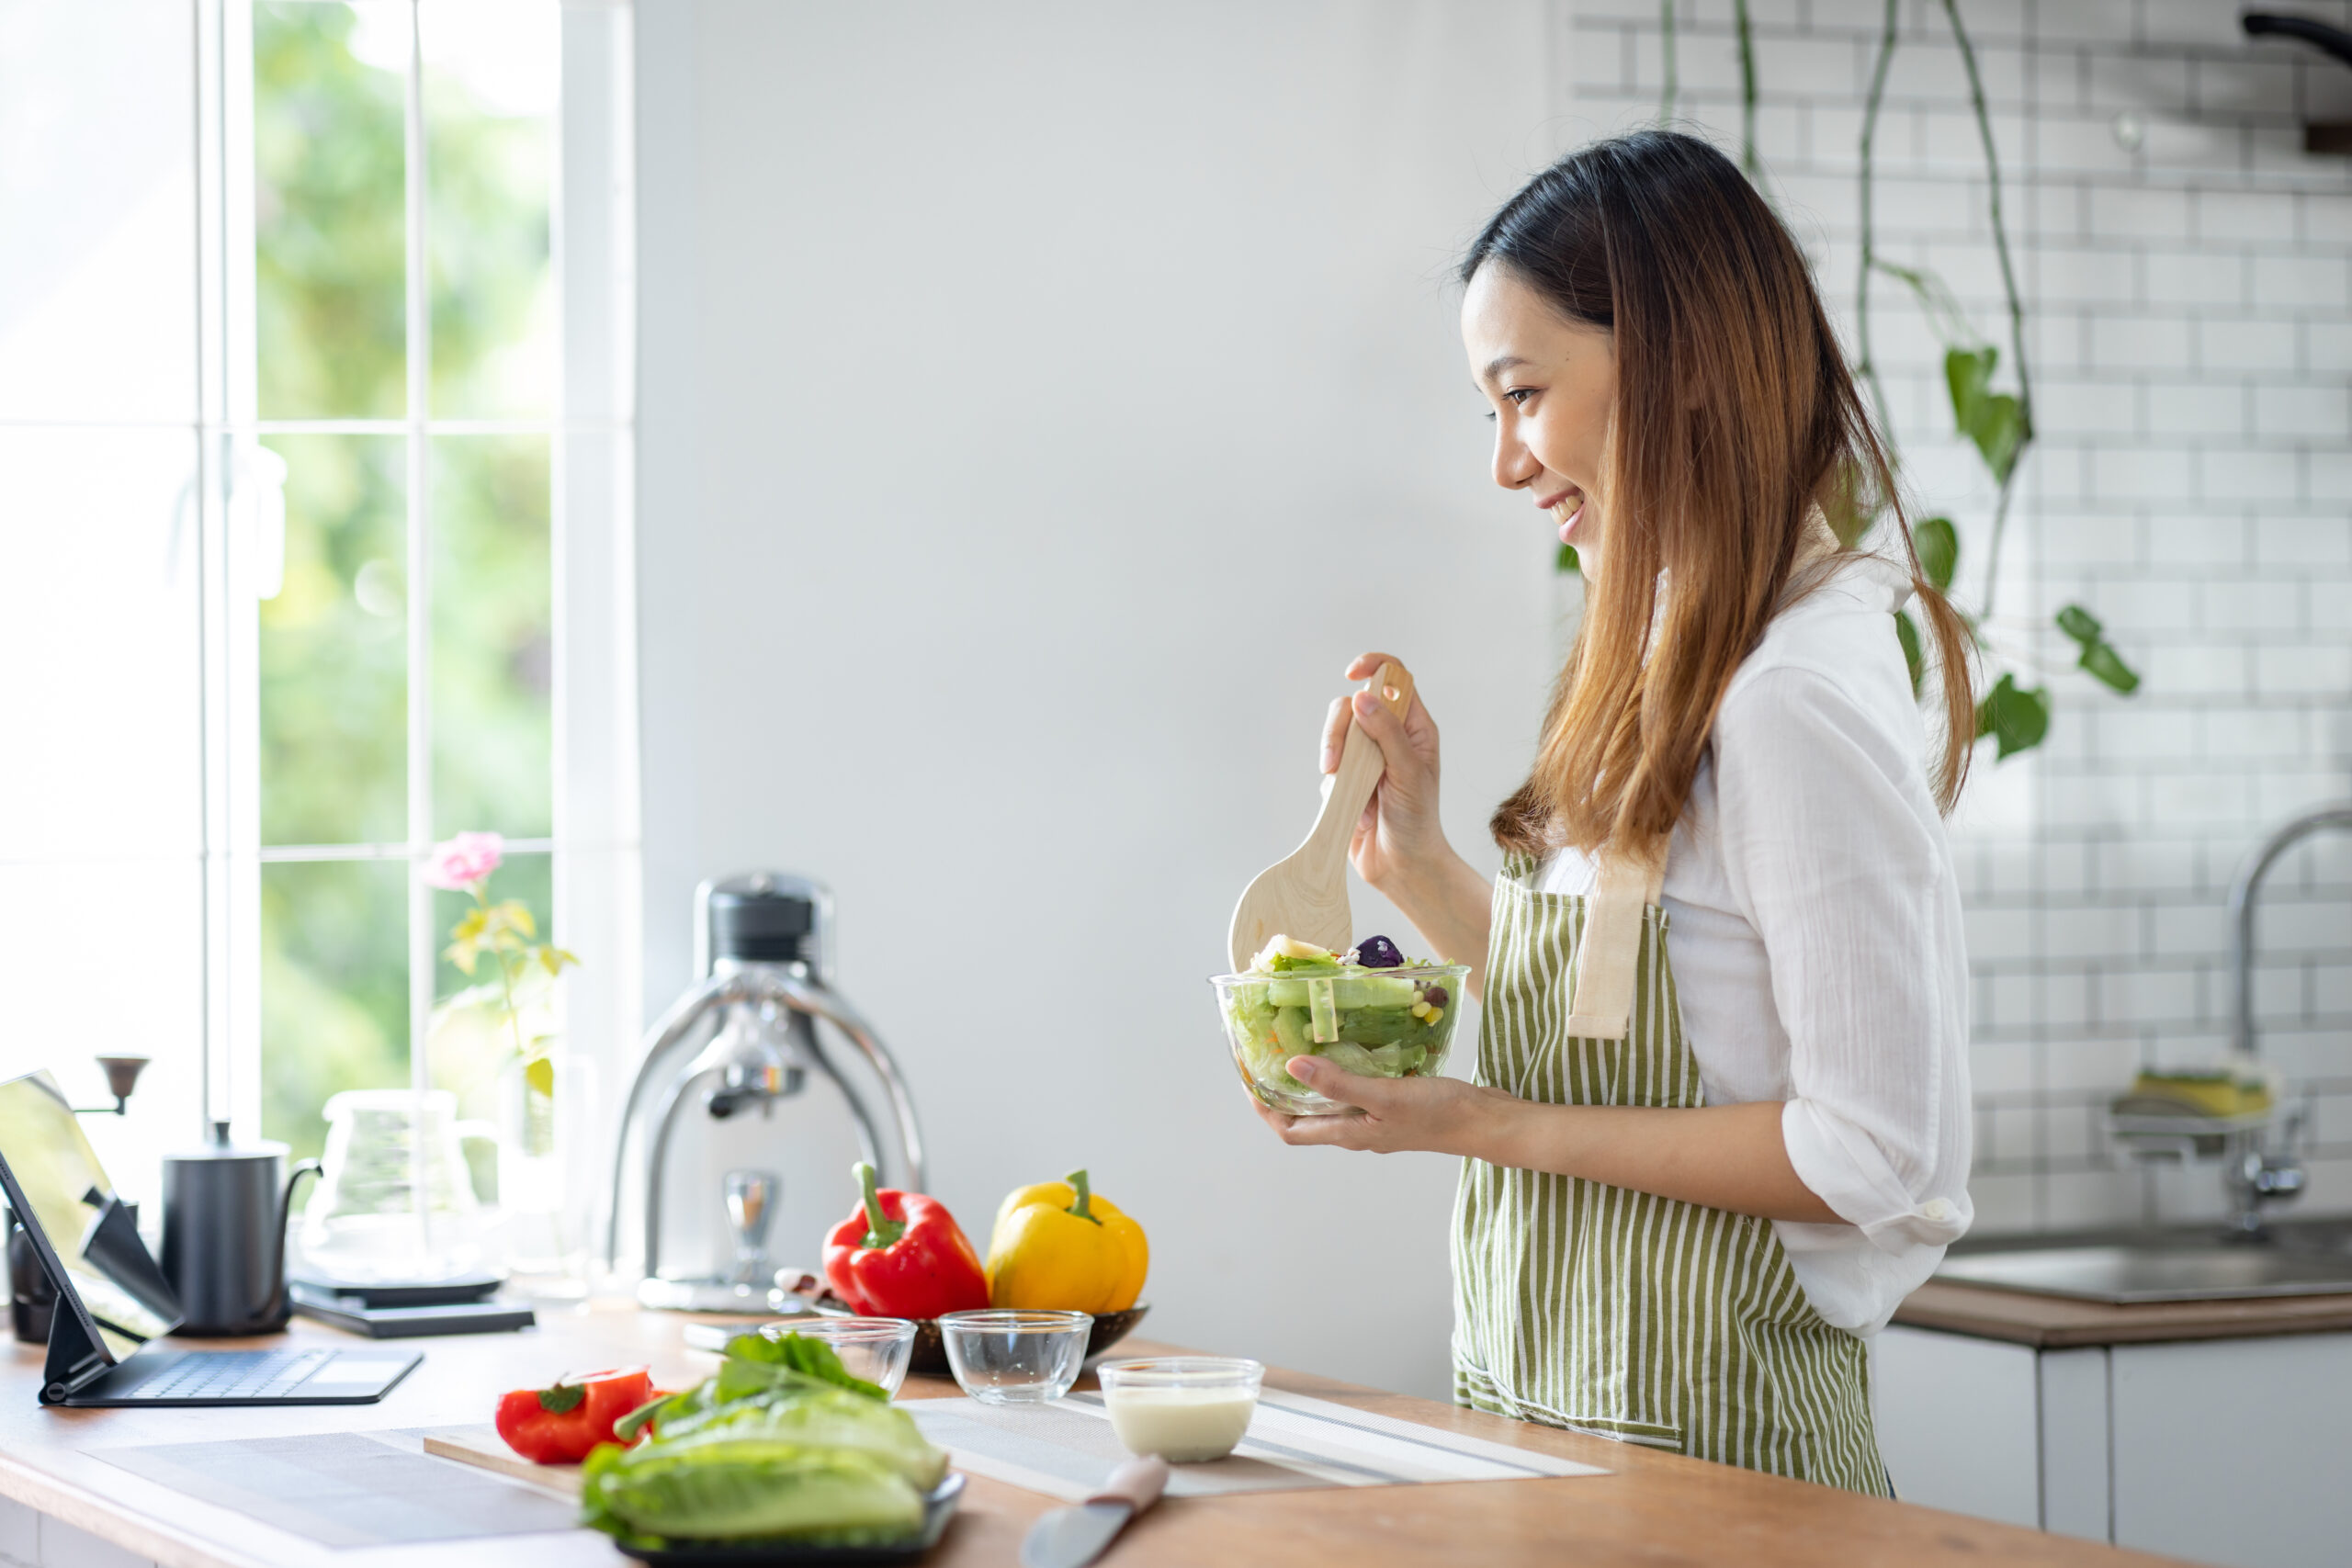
(1004, 1357)
(874, 1348)
(1186, 1409)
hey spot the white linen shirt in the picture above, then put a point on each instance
(1815, 932)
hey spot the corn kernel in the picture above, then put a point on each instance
(1421, 1010)
(1436, 1013)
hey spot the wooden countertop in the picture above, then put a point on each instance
(1653, 1508)
(2059, 1322)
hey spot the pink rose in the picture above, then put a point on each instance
(464, 861)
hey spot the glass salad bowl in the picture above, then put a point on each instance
(1391, 1023)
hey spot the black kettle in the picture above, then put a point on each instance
(225, 1213)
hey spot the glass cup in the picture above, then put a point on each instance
(1003, 1356)
(1186, 1409)
(874, 1348)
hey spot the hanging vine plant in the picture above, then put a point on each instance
(1997, 424)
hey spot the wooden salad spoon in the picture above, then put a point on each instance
(1304, 895)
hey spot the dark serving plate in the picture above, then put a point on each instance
(930, 1352)
(938, 1508)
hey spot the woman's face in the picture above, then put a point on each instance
(1552, 382)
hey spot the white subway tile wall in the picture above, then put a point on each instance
(2188, 272)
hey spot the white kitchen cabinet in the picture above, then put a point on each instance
(2236, 1452)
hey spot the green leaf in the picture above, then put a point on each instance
(539, 1073)
(2107, 667)
(2016, 719)
(2079, 624)
(1994, 421)
(562, 1397)
(2098, 658)
(1907, 632)
(1938, 543)
(1567, 560)
(1968, 372)
(506, 919)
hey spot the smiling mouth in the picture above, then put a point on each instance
(1568, 507)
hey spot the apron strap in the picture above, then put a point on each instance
(1602, 991)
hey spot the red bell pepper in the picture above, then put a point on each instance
(902, 1255)
(559, 1424)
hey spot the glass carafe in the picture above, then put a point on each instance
(396, 1206)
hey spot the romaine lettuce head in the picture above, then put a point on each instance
(827, 1417)
(749, 1489)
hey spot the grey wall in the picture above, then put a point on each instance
(1039, 404)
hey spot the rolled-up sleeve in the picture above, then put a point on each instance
(1837, 858)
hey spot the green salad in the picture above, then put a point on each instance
(782, 1445)
(1367, 1010)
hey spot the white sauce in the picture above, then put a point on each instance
(1181, 1425)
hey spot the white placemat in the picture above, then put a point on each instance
(1067, 1450)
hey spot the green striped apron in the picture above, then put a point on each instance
(1618, 1312)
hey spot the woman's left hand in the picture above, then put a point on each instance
(1440, 1115)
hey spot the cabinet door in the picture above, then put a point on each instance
(2233, 1450)
(1958, 1423)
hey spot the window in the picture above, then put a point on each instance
(315, 457)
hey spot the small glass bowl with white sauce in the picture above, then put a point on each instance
(1186, 1409)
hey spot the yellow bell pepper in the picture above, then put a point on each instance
(1059, 1244)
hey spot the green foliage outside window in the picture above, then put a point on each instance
(331, 267)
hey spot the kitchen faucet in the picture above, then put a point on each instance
(2253, 1176)
(764, 955)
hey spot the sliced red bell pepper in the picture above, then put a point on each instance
(561, 1423)
(902, 1255)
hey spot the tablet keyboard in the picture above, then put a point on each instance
(227, 1374)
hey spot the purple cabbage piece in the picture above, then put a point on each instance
(1378, 952)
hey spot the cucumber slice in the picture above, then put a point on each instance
(1325, 1013)
(1348, 991)
(1376, 991)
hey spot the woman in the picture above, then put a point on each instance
(1720, 1122)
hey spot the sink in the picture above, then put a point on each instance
(2159, 1271)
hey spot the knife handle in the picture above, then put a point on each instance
(1136, 1483)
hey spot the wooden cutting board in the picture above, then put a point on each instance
(483, 1446)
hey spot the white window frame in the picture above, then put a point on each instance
(595, 839)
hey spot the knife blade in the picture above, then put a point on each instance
(1072, 1538)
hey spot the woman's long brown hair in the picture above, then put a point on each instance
(1735, 417)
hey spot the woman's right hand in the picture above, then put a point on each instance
(1399, 831)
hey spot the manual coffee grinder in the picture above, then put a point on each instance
(746, 1037)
